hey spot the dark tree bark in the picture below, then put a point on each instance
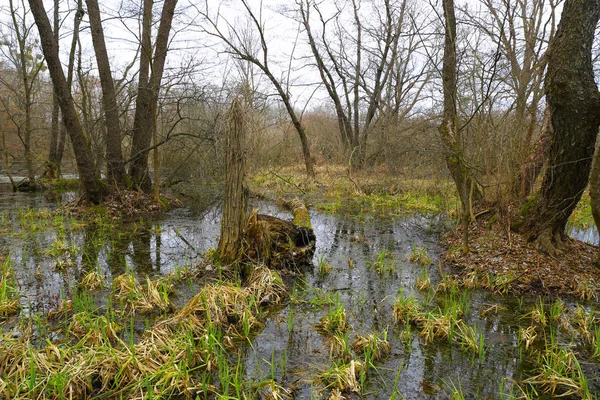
(54, 131)
(149, 86)
(115, 169)
(62, 137)
(574, 101)
(235, 203)
(92, 187)
(451, 136)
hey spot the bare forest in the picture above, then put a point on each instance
(452, 139)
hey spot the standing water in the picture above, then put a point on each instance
(363, 268)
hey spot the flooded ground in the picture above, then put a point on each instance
(371, 268)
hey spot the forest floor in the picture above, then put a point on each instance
(498, 256)
(496, 251)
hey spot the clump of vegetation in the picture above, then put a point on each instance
(344, 377)
(559, 374)
(419, 255)
(423, 282)
(335, 322)
(323, 267)
(377, 348)
(9, 293)
(93, 281)
(385, 262)
(160, 362)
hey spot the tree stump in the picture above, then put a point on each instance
(278, 243)
(234, 206)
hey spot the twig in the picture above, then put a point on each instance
(288, 181)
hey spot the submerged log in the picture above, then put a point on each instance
(278, 243)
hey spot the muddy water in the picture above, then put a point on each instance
(289, 348)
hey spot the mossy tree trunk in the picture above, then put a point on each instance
(450, 134)
(235, 203)
(574, 103)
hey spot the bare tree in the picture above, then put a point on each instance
(152, 63)
(92, 187)
(27, 64)
(115, 168)
(449, 129)
(520, 30)
(238, 47)
(367, 72)
(52, 171)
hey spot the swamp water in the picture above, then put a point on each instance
(371, 268)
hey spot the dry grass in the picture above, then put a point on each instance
(92, 281)
(343, 377)
(159, 365)
(377, 347)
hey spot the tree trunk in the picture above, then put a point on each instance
(137, 171)
(449, 132)
(27, 79)
(595, 193)
(6, 160)
(574, 101)
(234, 205)
(92, 187)
(115, 169)
(147, 100)
(54, 131)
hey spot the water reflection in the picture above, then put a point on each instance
(587, 235)
(351, 246)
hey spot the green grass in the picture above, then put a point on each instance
(9, 291)
(385, 262)
(582, 218)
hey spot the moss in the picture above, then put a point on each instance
(526, 208)
(582, 217)
(65, 184)
(301, 217)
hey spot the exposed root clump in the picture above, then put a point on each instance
(277, 243)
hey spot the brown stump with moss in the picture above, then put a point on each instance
(234, 207)
(278, 243)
